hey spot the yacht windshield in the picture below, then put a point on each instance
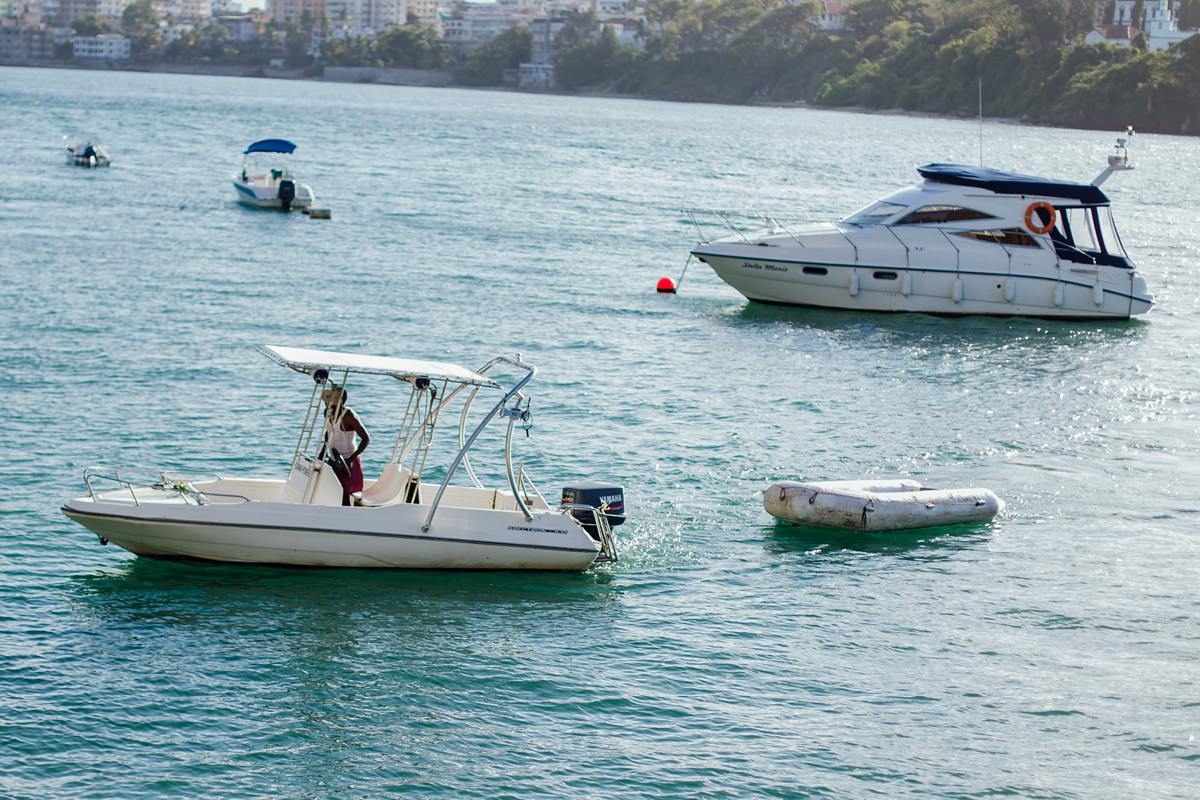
(873, 214)
(1086, 234)
(1108, 229)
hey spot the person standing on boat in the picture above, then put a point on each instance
(340, 449)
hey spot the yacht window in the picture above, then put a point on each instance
(815, 271)
(1081, 228)
(1009, 237)
(1108, 230)
(928, 214)
(873, 214)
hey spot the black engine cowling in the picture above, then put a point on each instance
(287, 193)
(607, 496)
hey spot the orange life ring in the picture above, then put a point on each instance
(1039, 205)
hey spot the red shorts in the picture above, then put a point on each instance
(354, 483)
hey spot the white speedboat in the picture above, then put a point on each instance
(86, 154)
(399, 520)
(266, 180)
(967, 240)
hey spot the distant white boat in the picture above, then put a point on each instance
(267, 181)
(399, 520)
(86, 154)
(967, 240)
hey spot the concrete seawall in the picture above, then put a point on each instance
(389, 75)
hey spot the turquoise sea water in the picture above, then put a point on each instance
(1053, 654)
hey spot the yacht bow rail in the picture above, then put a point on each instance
(739, 223)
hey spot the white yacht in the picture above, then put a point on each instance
(967, 240)
(398, 519)
(86, 154)
(266, 180)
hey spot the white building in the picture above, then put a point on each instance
(111, 10)
(359, 17)
(224, 8)
(482, 22)
(1116, 35)
(1162, 27)
(182, 10)
(426, 12)
(241, 27)
(1158, 22)
(106, 47)
(831, 16)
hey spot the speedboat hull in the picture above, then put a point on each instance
(336, 536)
(1059, 293)
(88, 161)
(268, 196)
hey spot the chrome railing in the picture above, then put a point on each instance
(608, 543)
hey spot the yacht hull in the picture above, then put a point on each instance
(1060, 293)
(311, 536)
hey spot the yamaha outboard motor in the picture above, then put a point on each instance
(287, 193)
(607, 496)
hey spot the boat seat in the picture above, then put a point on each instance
(327, 490)
(389, 488)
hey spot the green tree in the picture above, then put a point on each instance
(1139, 12)
(89, 25)
(416, 46)
(139, 21)
(486, 63)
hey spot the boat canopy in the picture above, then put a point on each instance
(405, 369)
(270, 146)
(1011, 182)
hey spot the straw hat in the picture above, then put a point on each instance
(333, 395)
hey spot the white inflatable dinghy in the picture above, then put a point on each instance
(877, 505)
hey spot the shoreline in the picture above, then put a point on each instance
(443, 79)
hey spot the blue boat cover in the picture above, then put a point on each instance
(1011, 182)
(271, 146)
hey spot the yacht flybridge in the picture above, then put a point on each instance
(266, 181)
(400, 519)
(967, 240)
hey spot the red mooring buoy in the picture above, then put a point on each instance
(666, 286)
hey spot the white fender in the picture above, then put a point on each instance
(906, 284)
(877, 505)
(956, 294)
(1060, 295)
(854, 284)
(1098, 293)
(1010, 290)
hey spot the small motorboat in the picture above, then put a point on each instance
(267, 181)
(967, 240)
(398, 519)
(877, 505)
(86, 154)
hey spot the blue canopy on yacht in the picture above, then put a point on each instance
(271, 146)
(1011, 182)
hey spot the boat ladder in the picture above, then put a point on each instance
(603, 534)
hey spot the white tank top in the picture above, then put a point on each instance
(342, 441)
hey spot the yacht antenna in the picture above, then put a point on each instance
(1119, 158)
(981, 120)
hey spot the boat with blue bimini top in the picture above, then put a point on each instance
(399, 519)
(266, 179)
(967, 240)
